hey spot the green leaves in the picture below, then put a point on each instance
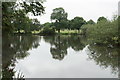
(77, 22)
(101, 19)
(35, 7)
(90, 22)
(104, 32)
(59, 14)
(60, 17)
(14, 15)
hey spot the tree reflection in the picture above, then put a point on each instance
(60, 48)
(76, 43)
(60, 44)
(105, 56)
(14, 48)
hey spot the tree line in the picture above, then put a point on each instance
(60, 22)
(16, 20)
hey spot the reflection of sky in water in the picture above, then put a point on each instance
(40, 64)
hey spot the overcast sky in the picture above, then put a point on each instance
(88, 9)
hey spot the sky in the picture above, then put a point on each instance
(88, 9)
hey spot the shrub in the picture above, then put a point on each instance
(47, 31)
(102, 32)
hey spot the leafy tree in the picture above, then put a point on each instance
(20, 21)
(10, 12)
(35, 25)
(77, 22)
(101, 19)
(47, 24)
(7, 16)
(90, 22)
(59, 15)
(103, 32)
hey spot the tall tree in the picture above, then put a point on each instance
(90, 22)
(9, 14)
(101, 19)
(77, 22)
(59, 15)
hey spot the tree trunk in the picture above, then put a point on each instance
(19, 31)
(59, 31)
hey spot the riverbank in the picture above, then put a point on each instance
(62, 32)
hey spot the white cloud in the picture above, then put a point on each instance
(88, 9)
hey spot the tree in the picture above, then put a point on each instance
(59, 15)
(90, 22)
(36, 26)
(47, 24)
(77, 22)
(101, 19)
(19, 20)
(10, 12)
(7, 16)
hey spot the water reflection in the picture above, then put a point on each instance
(60, 44)
(105, 56)
(13, 49)
(17, 47)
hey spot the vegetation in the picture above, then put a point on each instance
(77, 22)
(47, 30)
(18, 50)
(14, 15)
(102, 36)
(60, 17)
(105, 32)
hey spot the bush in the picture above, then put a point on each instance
(47, 31)
(104, 32)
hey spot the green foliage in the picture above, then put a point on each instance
(35, 25)
(77, 22)
(47, 24)
(101, 19)
(59, 14)
(84, 28)
(7, 16)
(60, 17)
(14, 15)
(47, 31)
(35, 7)
(103, 32)
(90, 22)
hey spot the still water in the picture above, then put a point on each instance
(57, 57)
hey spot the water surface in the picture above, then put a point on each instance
(57, 57)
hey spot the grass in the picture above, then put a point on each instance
(62, 32)
(69, 32)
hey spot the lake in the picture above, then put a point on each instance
(64, 56)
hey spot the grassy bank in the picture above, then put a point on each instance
(62, 32)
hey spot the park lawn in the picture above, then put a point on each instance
(69, 32)
(63, 32)
(36, 32)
